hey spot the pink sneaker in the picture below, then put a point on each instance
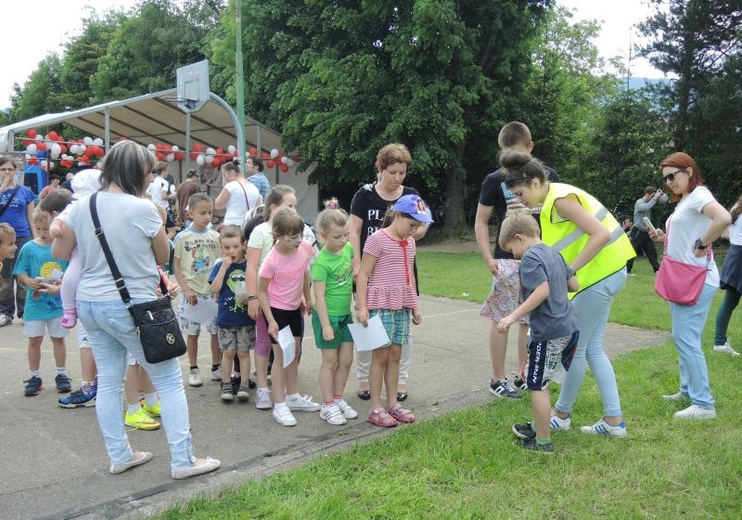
(69, 318)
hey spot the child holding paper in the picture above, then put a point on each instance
(386, 287)
(196, 251)
(332, 277)
(283, 293)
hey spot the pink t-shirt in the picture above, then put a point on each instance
(390, 285)
(287, 276)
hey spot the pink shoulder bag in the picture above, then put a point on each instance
(678, 282)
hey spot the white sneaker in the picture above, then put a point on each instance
(696, 412)
(603, 428)
(348, 412)
(194, 377)
(303, 403)
(216, 375)
(332, 415)
(283, 415)
(263, 400)
(5, 320)
(674, 397)
(726, 348)
(558, 424)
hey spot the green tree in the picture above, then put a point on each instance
(42, 91)
(341, 79)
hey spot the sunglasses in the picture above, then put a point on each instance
(670, 177)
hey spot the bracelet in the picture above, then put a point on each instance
(699, 245)
(253, 297)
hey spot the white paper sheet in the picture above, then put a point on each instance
(369, 338)
(288, 345)
(203, 312)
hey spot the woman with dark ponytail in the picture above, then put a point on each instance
(595, 247)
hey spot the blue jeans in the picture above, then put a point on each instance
(592, 306)
(112, 334)
(688, 322)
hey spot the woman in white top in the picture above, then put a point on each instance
(238, 196)
(698, 220)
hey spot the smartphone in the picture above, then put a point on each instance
(649, 225)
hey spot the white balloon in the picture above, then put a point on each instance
(56, 150)
(28, 156)
(291, 162)
(74, 149)
(81, 149)
(81, 163)
(151, 147)
(274, 153)
(170, 157)
(98, 141)
(284, 159)
(200, 160)
(175, 148)
(209, 159)
(210, 151)
(31, 149)
(39, 137)
(231, 148)
(87, 141)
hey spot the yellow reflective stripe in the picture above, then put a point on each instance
(575, 235)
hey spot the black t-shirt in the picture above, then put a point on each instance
(494, 193)
(371, 208)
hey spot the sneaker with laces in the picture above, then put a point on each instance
(603, 428)
(558, 424)
(194, 377)
(283, 415)
(533, 445)
(726, 348)
(303, 403)
(348, 412)
(519, 382)
(64, 383)
(696, 412)
(33, 386)
(216, 373)
(5, 320)
(263, 400)
(243, 394)
(332, 414)
(524, 431)
(77, 399)
(227, 392)
(152, 411)
(141, 420)
(502, 390)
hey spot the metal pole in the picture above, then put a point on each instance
(239, 79)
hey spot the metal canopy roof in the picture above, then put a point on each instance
(151, 119)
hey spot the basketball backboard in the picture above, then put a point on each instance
(192, 86)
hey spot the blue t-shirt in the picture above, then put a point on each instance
(232, 312)
(36, 260)
(16, 214)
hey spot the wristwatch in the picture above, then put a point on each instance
(699, 244)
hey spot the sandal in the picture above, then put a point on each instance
(401, 414)
(381, 417)
(364, 395)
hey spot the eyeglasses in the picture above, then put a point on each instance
(670, 177)
(7, 170)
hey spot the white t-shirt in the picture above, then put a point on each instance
(238, 198)
(735, 231)
(686, 224)
(156, 187)
(129, 224)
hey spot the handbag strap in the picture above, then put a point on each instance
(247, 202)
(117, 278)
(709, 248)
(10, 199)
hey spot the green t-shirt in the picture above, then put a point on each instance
(337, 273)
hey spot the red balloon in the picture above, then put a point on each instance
(41, 146)
(219, 151)
(160, 156)
(197, 147)
(53, 136)
(265, 155)
(270, 163)
(33, 161)
(284, 167)
(194, 156)
(253, 151)
(64, 148)
(32, 133)
(26, 141)
(179, 156)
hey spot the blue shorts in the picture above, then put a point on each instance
(545, 356)
(396, 324)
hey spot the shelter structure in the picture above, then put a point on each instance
(157, 118)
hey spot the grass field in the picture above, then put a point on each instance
(467, 465)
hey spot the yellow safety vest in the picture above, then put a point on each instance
(564, 236)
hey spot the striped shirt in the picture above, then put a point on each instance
(391, 284)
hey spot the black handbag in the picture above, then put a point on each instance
(157, 327)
